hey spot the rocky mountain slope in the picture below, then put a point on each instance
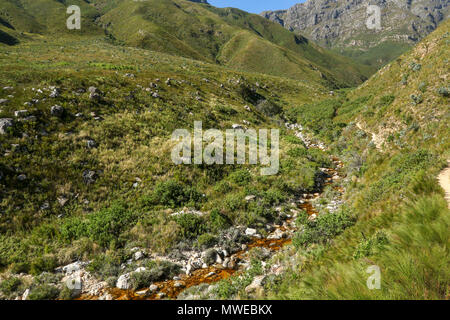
(341, 25)
(228, 37)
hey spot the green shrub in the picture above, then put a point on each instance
(206, 240)
(319, 157)
(324, 228)
(233, 202)
(42, 264)
(417, 99)
(104, 226)
(219, 221)
(105, 265)
(191, 225)
(10, 286)
(443, 91)
(294, 140)
(415, 66)
(422, 86)
(223, 187)
(273, 197)
(241, 177)
(302, 218)
(297, 152)
(174, 194)
(367, 247)
(159, 271)
(43, 292)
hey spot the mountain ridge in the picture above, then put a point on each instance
(188, 29)
(341, 25)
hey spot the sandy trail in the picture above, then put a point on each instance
(444, 181)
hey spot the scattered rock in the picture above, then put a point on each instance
(22, 177)
(153, 288)
(89, 176)
(71, 268)
(178, 284)
(4, 101)
(138, 255)
(250, 232)
(142, 293)
(106, 296)
(45, 206)
(5, 123)
(26, 294)
(257, 284)
(124, 282)
(62, 201)
(57, 111)
(93, 90)
(91, 144)
(95, 96)
(277, 235)
(237, 126)
(55, 92)
(250, 198)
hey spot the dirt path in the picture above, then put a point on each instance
(444, 181)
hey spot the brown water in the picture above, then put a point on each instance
(217, 272)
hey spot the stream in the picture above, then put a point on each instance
(273, 242)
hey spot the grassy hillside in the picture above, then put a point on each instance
(395, 140)
(188, 29)
(104, 161)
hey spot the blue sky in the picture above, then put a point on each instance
(255, 6)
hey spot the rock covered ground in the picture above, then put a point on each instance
(199, 270)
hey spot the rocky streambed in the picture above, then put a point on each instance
(216, 264)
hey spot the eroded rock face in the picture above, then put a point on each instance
(342, 23)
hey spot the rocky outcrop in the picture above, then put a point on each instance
(342, 23)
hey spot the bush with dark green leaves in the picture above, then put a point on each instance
(191, 225)
(11, 287)
(367, 247)
(206, 240)
(104, 226)
(44, 292)
(219, 221)
(323, 228)
(42, 264)
(159, 271)
(241, 177)
(172, 193)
